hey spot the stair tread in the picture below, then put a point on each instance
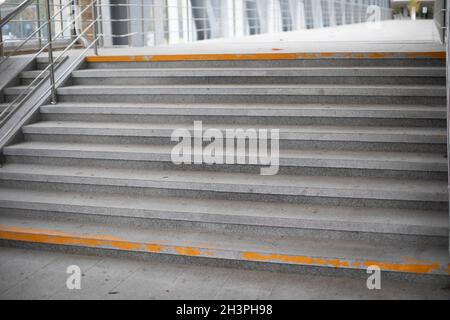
(321, 186)
(16, 89)
(381, 111)
(31, 74)
(436, 88)
(305, 133)
(399, 221)
(283, 128)
(256, 72)
(238, 106)
(300, 133)
(141, 152)
(299, 250)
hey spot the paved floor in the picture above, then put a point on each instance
(390, 36)
(32, 274)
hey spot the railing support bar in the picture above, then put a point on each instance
(447, 47)
(50, 55)
(2, 54)
(95, 26)
(38, 13)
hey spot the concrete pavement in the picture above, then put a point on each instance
(32, 274)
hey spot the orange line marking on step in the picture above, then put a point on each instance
(58, 237)
(407, 267)
(254, 256)
(265, 56)
(421, 268)
(153, 248)
(105, 241)
(188, 251)
(94, 241)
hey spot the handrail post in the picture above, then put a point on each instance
(94, 15)
(38, 14)
(1, 40)
(50, 54)
(447, 64)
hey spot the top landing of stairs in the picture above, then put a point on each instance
(362, 40)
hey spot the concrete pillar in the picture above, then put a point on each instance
(173, 22)
(317, 14)
(439, 17)
(186, 19)
(158, 21)
(226, 16)
(213, 18)
(332, 12)
(105, 12)
(301, 19)
(119, 28)
(239, 18)
(273, 16)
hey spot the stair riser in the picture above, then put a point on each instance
(284, 143)
(42, 65)
(27, 81)
(272, 99)
(11, 97)
(256, 80)
(307, 63)
(250, 120)
(307, 170)
(386, 234)
(72, 184)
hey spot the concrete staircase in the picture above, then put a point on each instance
(362, 181)
(20, 84)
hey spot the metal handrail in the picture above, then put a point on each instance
(57, 81)
(447, 47)
(38, 30)
(46, 70)
(354, 10)
(49, 71)
(15, 12)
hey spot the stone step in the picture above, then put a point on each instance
(328, 256)
(27, 77)
(345, 191)
(258, 114)
(11, 93)
(359, 76)
(291, 137)
(434, 95)
(299, 162)
(42, 62)
(330, 222)
(289, 60)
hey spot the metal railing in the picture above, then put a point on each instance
(142, 23)
(139, 23)
(47, 45)
(447, 47)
